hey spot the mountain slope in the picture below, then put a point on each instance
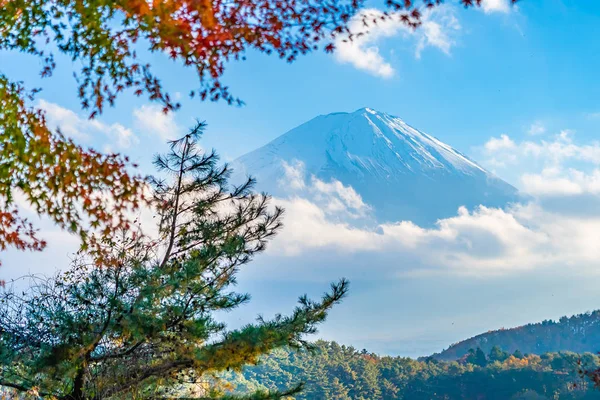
(404, 174)
(579, 333)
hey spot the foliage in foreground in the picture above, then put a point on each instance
(142, 324)
(335, 372)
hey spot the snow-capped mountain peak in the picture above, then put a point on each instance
(395, 167)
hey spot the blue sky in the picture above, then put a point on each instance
(528, 73)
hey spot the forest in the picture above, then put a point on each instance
(334, 371)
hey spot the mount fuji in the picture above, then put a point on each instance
(399, 171)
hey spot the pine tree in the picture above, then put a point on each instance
(497, 354)
(143, 323)
(480, 358)
(518, 354)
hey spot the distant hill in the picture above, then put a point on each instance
(579, 334)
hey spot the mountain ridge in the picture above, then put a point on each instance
(579, 333)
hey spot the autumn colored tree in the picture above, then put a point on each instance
(56, 177)
(69, 183)
(146, 325)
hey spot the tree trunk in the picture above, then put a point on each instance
(77, 393)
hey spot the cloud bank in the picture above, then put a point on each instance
(483, 241)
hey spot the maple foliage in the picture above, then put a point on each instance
(55, 177)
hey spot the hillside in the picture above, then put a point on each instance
(579, 333)
(336, 372)
(401, 172)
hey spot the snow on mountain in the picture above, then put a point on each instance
(401, 172)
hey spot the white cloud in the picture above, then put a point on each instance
(492, 6)
(363, 51)
(152, 119)
(567, 167)
(437, 31)
(562, 148)
(555, 182)
(537, 128)
(308, 226)
(333, 198)
(439, 26)
(503, 151)
(84, 129)
(344, 197)
(293, 175)
(538, 184)
(502, 143)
